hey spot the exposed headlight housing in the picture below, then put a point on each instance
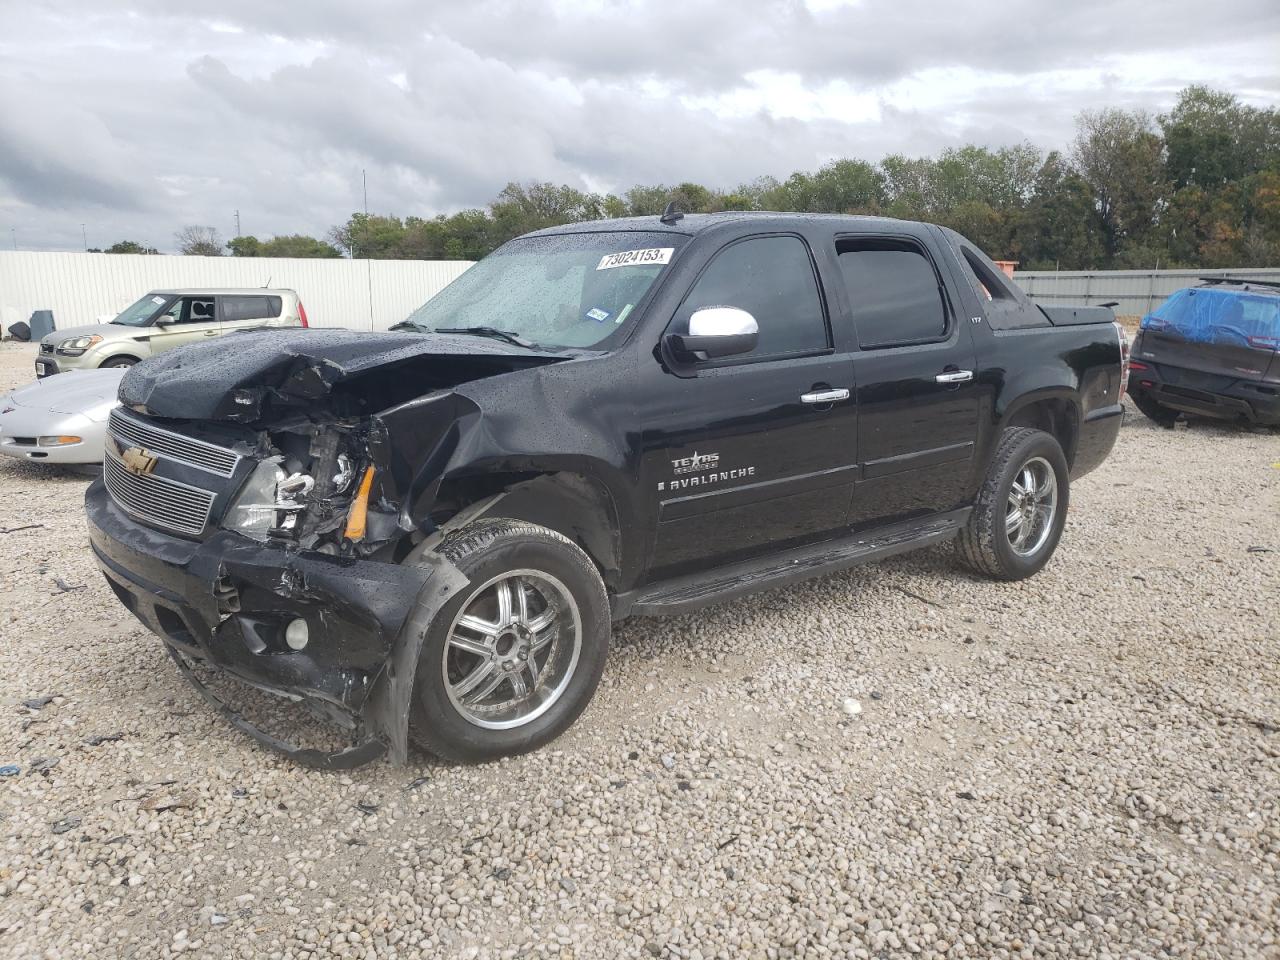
(268, 504)
(78, 345)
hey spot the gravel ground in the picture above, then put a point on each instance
(898, 760)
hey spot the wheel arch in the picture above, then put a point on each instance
(575, 504)
(119, 355)
(1056, 413)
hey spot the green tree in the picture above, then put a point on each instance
(1213, 139)
(842, 186)
(1059, 228)
(246, 246)
(646, 201)
(370, 236)
(298, 245)
(1121, 158)
(522, 207)
(908, 186)
(129, 246)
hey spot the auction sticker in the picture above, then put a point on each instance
(636, 258)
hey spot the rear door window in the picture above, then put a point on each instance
(772, 278)
(894, 292)
(249, 308)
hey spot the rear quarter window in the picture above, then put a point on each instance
(1005, 305)
(250, 308)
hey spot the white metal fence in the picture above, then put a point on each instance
(1138, 292)
(81, 287)
(373, 294)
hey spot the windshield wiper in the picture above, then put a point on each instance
(493, 332)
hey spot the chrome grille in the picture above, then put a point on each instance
(174, 446)
(157, 500)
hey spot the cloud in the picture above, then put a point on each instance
(139, 122)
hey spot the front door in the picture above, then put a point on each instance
(917, 396)
(748, 453)
(187, 320)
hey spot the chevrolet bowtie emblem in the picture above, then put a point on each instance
(137, 461)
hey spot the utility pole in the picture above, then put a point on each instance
(237, 223)
(85, 237)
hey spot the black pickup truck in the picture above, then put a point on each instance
(425, 533)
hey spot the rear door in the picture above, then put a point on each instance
(750, 453)
(249, 311)
(917, 394)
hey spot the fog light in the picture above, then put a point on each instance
(296, 634)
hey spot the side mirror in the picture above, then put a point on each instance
(717, 332)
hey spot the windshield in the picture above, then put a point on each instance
(570, 290)
(139, 313)
(1207, 315)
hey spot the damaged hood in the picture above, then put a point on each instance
(236, 378)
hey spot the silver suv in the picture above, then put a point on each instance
(164, 319)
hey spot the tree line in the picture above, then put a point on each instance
(1198, 186)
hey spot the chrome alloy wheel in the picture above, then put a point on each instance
(1033, 507)
(512, 649)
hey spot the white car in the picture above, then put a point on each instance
(60, 420)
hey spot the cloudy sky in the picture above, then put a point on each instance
(135, 118)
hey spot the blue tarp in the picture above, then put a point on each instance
(1209, 315)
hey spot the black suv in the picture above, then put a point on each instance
(426, 533)
(1211, 351)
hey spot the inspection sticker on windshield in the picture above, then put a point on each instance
(157, 299)
(636, 258)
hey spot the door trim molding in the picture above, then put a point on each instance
(887, 466)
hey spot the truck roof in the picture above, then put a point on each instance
(691, 224)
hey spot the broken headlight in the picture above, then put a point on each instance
(268, 503)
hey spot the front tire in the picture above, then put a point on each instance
(1021, 509)
(511, 661)
(118, 362)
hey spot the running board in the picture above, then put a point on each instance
(684, 594)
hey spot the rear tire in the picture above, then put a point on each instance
(511, 661)
(1021, 509)
(1152, 410)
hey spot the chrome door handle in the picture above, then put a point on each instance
(954, 376)
(824, 396)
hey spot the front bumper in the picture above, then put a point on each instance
(21, 427)
(48, 364)
(225, 601)
(1253, 401)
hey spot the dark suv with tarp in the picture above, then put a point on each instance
(1213, 351)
